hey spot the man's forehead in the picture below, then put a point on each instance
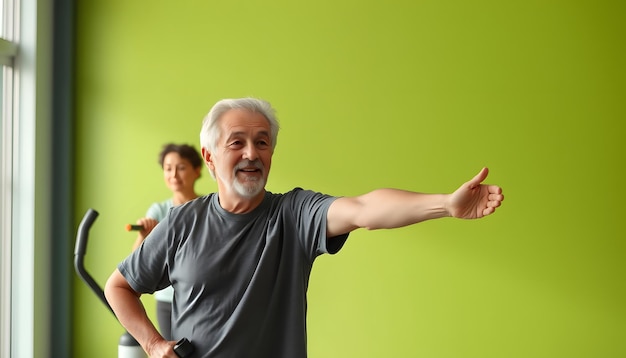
(244, 121)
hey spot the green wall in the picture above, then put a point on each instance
(417, 95)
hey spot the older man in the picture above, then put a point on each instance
(240, 259)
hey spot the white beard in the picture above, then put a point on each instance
(249, 188)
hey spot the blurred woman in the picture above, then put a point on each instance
(182, 166)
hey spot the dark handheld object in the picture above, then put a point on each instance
(131, 227)
(183, 348)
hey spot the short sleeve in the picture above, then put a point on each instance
(145, 269)
(310, 210)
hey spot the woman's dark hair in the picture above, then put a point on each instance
(185, 151)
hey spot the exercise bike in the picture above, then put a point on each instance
(128, 346)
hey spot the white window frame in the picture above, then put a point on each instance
(8, 52)
(25, 210)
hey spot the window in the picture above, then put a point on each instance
(25, 58)
(8, 51)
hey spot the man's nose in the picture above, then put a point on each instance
(250, 152)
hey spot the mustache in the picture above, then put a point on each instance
(250, 164)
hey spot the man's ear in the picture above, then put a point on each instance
(208, 158)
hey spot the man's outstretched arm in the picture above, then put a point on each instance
(393, 208)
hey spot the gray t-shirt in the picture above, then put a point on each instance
(158, 211)
(240, 280)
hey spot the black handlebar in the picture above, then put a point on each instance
(79, 253)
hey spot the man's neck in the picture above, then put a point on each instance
(236, 204)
